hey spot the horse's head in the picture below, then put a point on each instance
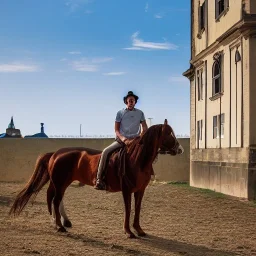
(169, 143)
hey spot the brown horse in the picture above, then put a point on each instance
(128, 170)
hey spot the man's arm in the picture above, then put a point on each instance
(117, 131)
(144, 127)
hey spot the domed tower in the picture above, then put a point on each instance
(11, 124)
(11, 131)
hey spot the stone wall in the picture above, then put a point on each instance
(18, 157)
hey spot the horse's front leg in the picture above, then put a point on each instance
(127, 196)
(136, 223)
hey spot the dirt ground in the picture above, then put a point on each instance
(178, 220)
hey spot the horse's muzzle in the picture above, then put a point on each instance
(180, 150)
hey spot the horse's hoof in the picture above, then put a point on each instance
(62, 229)
(131, 235)
(139, 231)
(142, 234)
(67, 223)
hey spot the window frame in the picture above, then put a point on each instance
(199, 132)
(200, 85)
(218, 126)
(200, 129)
(216, 78)
(220, 12)
(201, 18)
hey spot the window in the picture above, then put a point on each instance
(237, 56)
(201, 13)
(200, 84)
(220, 7)
(199, 130)
(218, 126)
(215, 127)
(222, 120)
(216, 78)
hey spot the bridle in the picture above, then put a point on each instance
(165, 150)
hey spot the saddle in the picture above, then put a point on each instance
(121, 160)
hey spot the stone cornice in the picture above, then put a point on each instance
(190, 73)
(245, 27)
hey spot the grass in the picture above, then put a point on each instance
(253, 203)
(207, 192)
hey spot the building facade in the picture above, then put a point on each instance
(222, 78)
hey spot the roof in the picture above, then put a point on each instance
(37, 135)
(5, 135)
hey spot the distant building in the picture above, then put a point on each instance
(11, 132)
(38, 135)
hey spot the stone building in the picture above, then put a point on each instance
(222, 78)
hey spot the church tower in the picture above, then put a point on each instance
(11, 131)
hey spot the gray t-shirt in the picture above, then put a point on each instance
(130, 122)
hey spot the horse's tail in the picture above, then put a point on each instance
(38, 179)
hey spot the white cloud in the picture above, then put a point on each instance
(89, 65)
(177, 79)
(158, 16)
(74, 5)
(84, 66)
(140, 44)
(101, 60)
(136, 49)
(114, 74)
(75, 53)
(17, 67)
(146, 7)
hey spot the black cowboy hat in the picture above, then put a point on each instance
(130, 93)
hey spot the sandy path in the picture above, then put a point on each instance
(178, 220)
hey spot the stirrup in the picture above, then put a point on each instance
(100, 185)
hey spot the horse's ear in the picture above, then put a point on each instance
(165, 122)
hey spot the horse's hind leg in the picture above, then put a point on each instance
(66, 222)
(56, 202)
(50, 196)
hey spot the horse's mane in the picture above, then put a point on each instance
(142, 149)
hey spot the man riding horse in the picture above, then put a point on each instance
(129, 170)
(127, 126)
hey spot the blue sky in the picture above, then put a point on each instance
(70, 62)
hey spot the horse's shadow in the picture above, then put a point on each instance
(167, 246)
(181, 248)
(5, 201)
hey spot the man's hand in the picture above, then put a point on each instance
(127, 141)
(122, 139)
